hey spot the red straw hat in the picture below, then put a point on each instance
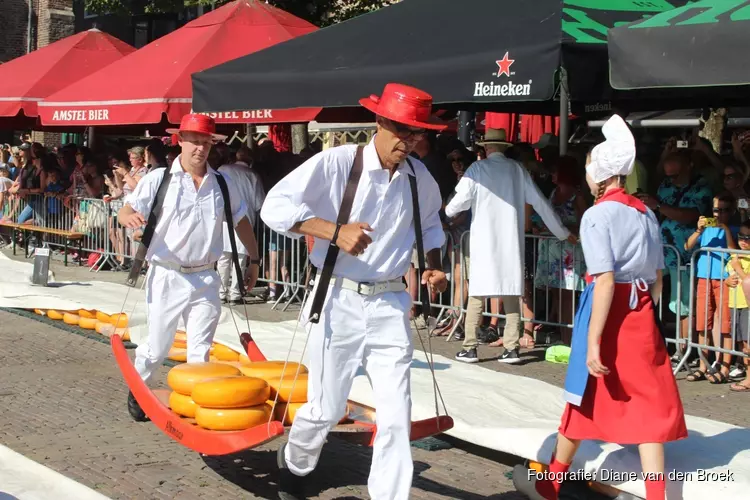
(198, 123)
(404, 104)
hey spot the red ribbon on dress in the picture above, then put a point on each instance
(619, 195)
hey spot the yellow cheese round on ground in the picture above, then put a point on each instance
(283, 386)
(232, 419)
(291, 412)
(231, 392)
(108, 330)
(271, 369)
(179, 344)
(104, 318)
(85, 313)
(224, 353)
(180, 335)
(177, 354)
(70, 319)
(87, 323)
(182, 378)
(52, 314)
(119, 320)
(182, 405)
(41, 312)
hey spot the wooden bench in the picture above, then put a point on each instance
(24, 229)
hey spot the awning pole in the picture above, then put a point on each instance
(564, 112)
(465, 119)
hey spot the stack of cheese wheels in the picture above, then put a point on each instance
(87, 319)
(183, 378)
(231, 403)
(178, 352)
(292, 394)
(107, 329)
(70, 318)
(223, 353)
(119, 320)
(53, 314)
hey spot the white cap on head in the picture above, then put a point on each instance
(616, 155)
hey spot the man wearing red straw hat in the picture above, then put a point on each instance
(359, 200)
(186, 208)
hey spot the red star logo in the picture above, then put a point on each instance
(504, 65)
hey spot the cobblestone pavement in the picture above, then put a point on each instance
(62, 404)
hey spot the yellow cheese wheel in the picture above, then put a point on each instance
(52, 314)
(176, 354)
(40, 312)
(87, 323)
(182, 405)
(283, 386)
(103, 317)
(231, 392)
(70, 319)
(85, 313)
(119, 320)
(232, 419)
(224, 353)
(271, 369)
(179, 344)
(107, 330)
(291, 412)
(181, 336)
(182, 378)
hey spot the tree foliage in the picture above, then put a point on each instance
(319, 12)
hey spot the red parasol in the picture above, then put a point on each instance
(155, 80)
(28, 79)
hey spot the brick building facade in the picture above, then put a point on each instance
(51, 20)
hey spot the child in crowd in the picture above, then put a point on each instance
(54, 193)
(739, 274)
(712, 293)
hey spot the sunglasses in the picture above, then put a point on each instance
(743, 237)
(405, 132)
(722, 210)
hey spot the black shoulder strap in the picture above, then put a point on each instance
(333, 251)
(148, 233)
(424, 290)
(230, 227)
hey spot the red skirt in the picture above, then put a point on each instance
(638, 402)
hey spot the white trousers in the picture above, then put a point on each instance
(230, 283)
(171, 295)
(374, 333)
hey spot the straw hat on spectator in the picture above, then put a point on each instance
(495, 137)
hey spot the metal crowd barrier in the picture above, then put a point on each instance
(720, 256)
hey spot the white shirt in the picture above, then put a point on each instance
(315, 189)
(250, 189)
(619, 238)
(5, 184)
(497, 189)
(189, 231)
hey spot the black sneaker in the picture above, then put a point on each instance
(510, 357)
(135, 409)
(468, 356)
(291, 487)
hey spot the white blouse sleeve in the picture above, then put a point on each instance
(294, 198)
(596, 242)
(465, 193)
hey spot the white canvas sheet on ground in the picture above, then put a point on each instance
(509, 413)
(25, 479)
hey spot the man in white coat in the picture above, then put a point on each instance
(187, 242)
(497, 190)
(364, 319)
(250, 189)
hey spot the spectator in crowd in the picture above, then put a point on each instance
(497, 190)
(5, 185)
(156, 155)
(680, 200)
(738, 269)
(54, 193)
(548, 149)
(77, 183)
(251, 191)
(5, 160)
(560, 267)
(712, 293)
(735, 177)
(32, 182)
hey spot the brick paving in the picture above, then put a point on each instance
(62, 403)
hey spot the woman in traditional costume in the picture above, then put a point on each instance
(619, 386)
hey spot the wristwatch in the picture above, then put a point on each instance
(658, 206)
